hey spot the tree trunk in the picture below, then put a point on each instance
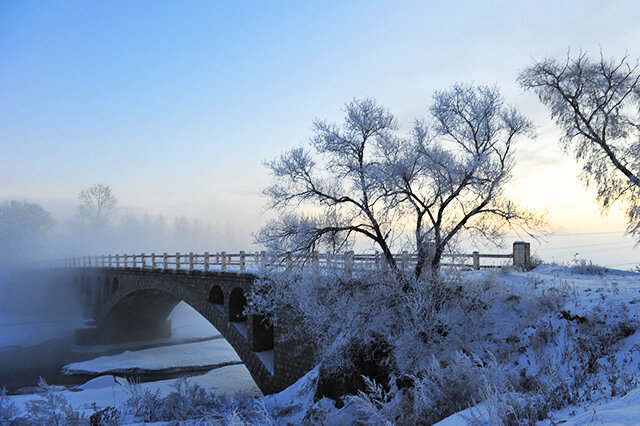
(437, 257)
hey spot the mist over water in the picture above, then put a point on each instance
(40, 305)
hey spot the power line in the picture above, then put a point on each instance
(623, 264)
(587, 245)
(586, 233)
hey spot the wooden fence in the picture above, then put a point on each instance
(244, 261)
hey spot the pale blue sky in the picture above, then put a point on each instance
(176, 104)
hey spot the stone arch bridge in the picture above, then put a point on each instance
(129, 298)
(128, 304)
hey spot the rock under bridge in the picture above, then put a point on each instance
(129, 304)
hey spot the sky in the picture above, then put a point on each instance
(176, 105)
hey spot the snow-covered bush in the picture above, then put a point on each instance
(441, 389)
(340, 313)
(106, 417)
(587, 267)
(8, 410)
(501, 406)
(190, 402)
(52, 408)
(143, 404)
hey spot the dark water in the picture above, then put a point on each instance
(22, 366)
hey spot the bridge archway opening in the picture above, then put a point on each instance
(216, 296)
(139, 316)
(237, 305)
(263, 337)
(106, 289)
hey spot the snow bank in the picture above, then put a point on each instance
(201, 355)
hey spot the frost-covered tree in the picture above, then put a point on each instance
(365, 178)
(23, 226)
(341, 185)
(450, 174)
(97, 206)
(596, 103)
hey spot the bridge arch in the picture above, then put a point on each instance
(144, 303)
(237, 305)
(216, 295)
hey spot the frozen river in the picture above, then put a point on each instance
(30, 349)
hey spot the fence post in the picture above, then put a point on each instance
(522, 255)
(126, 261)
(165, 261)
(206, 260)
(135, 264)
(263, 259)
(191, 263)
(476, 260)
(102, 261)
(144, 260)
(177, 260)
(315, 260)
(223, 260)
(117, 260)
(243, 261)
(153, 261)
(348, 263)
(404, 260)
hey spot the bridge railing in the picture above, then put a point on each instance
(349, 261)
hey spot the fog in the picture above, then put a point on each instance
(39, 302)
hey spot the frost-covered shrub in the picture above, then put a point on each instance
(502, 406)
(52, 408)
(185, 401)
(108, 416)
(250, 414)
(581, 266)
(8, 410)
(143, 404)
(441, 389)
(190, 402)
(338, 313)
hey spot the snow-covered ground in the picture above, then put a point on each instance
(549, 302)
(613, 295)
(111, 391)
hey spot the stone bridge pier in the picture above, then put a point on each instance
(126, 304)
